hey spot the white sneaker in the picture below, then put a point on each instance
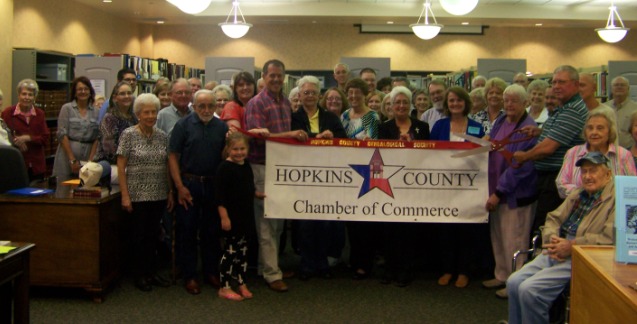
(492, 283)
(502, 293)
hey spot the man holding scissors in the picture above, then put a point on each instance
(560, 132)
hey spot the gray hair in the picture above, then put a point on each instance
(538, 84)
(28, 84)
(343, 65)
(399, 90)
(618, 78)
(516, 90)
(573, 75)
(476, 79)
(203, 92)
(224, 88)
(478, 92)
(309, 79)
(143, 100)
(180, 81)
(294, 92)
(609, 114)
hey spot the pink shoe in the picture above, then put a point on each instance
(229, 294)
(243, 290)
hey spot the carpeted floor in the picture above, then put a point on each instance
(338, 300)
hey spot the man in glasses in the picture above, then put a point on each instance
(180, 94)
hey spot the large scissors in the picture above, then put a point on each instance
(493, 145)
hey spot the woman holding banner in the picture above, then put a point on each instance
(316, 236)
(361, 123)
(512, 189)
(401, 239)
(457, 239)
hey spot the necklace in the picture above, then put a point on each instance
(147, 135)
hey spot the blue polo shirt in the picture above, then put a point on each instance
(199, 145)
(565, 127)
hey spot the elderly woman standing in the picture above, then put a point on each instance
(142, 163)
(316, 235)
(118, 117)
(421, 103)
(478, 102)
(401, 239)
(77, 130)
(493, 93)
(537, 100)
(334, 101)
(223, 95)
(295, 101)
(28, 125)
(600, 133)
(512, 189)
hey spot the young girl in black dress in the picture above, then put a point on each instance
(234, 192)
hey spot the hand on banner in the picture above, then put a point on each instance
(261, 132)
(299, 135)
(259, 195)
(405, 137)
(327, 134)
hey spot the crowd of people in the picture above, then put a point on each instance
(178, 150)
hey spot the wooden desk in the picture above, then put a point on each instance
(14, 284)
(599, 287)
(78, 239)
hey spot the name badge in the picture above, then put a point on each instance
(473, 130)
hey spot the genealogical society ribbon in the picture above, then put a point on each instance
(375, 180)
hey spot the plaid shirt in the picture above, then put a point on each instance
(581, 208)
(267, 110)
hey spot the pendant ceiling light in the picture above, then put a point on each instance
(459, 7)
(612, 33)
(426, 30)
(192, 7)
(235, 28)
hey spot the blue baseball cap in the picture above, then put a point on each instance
(593, 157)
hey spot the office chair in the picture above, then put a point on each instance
(13, 171)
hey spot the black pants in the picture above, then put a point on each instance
(145, 230)
(234, 262)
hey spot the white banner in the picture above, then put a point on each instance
(388, 181)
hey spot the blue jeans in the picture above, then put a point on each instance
(198, 230)
(533, 289)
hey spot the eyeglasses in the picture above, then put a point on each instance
(83, 90)
(206, 106)
(129, 80)
(334, 99)
(125, 93)
(309, 93)
(183, 93)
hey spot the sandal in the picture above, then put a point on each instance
(243, 290)
(229, 294)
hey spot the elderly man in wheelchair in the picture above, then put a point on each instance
(586, 217)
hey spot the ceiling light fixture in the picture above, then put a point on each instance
(236, 28)
(612, 33)
(426, 31)
(459, 7)
(192, 7)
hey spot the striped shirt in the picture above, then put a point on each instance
(565, 127)
(267, 110)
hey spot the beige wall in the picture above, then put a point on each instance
(319, 47)
(71, 27)
(6, 26)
